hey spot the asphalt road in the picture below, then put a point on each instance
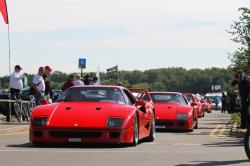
(209, 145)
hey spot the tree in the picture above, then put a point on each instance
(240, 30)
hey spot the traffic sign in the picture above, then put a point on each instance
(82, 63)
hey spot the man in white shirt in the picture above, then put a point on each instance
(78, 80)
(16, 82)
(39, 85)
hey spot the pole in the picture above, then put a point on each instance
(9, 111)
(9, 49)
(118, 77)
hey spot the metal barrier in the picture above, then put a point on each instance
(23, 104)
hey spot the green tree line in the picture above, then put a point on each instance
(165, 79)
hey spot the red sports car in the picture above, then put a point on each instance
(194, 102)
(94, 114)
(173, 111)
(206, 105)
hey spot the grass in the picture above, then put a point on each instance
(236, 118)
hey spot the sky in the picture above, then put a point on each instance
(134, 34)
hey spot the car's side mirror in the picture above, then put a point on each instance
(142, 105)
(193, 104)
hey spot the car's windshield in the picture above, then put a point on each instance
(190, 99)
(167, 98)
(93, 94)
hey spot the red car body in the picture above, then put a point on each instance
(194, 102)
(94, 118)
(206, 105)
(173, 115)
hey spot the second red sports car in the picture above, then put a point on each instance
(96, 114)
(196, 104)
(173, 112)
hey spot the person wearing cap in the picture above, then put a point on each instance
(69, 83)
(46, 76)
(16, 82)
(39, 85)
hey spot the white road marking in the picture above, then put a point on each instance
(14, 128)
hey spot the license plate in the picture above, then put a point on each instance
(160, 127)
(75, 139)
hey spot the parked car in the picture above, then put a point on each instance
(94, 114)
(206, 105)
(216, 100)
(173, 111)
(194, 102)
(4, 106)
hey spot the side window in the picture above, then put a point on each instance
(129, 97)
(184, 100)
(145, 97)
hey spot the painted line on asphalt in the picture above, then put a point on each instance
(15, 133)
(214, 132)
(219, 131)
(14, 128)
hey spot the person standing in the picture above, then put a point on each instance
(47, 80)
(224, 103)
(39, 85)
(69, 83)
(16, 82)
(78, 80)
(86, 79)
(244, 89)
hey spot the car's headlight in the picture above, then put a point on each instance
(39, 122)
(182, 116)
(115, 122)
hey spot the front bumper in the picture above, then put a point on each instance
(174, 124)
(48, 135)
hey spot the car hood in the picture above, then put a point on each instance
(169, 111)
(85, 114)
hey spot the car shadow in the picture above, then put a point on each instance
(216, 163)
(172, 131)
(227, 143)
(73, 145)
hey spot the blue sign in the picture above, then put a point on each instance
(82, 63)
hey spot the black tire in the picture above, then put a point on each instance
(136, 132)
(18, 113)
(247, 143)
(196, 125)
(152, 134)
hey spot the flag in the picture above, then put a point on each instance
(112, 70)
(4, 11)
(98, 77)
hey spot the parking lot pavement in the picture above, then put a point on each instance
(211, 144)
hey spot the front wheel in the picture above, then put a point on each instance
(196, 124)
(136, 132)
(247, 143)
(152, 134)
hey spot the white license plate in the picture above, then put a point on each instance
(75, 139)
(160, 127)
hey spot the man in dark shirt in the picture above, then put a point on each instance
(244, 90)
(69, 83)
(48, 91)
